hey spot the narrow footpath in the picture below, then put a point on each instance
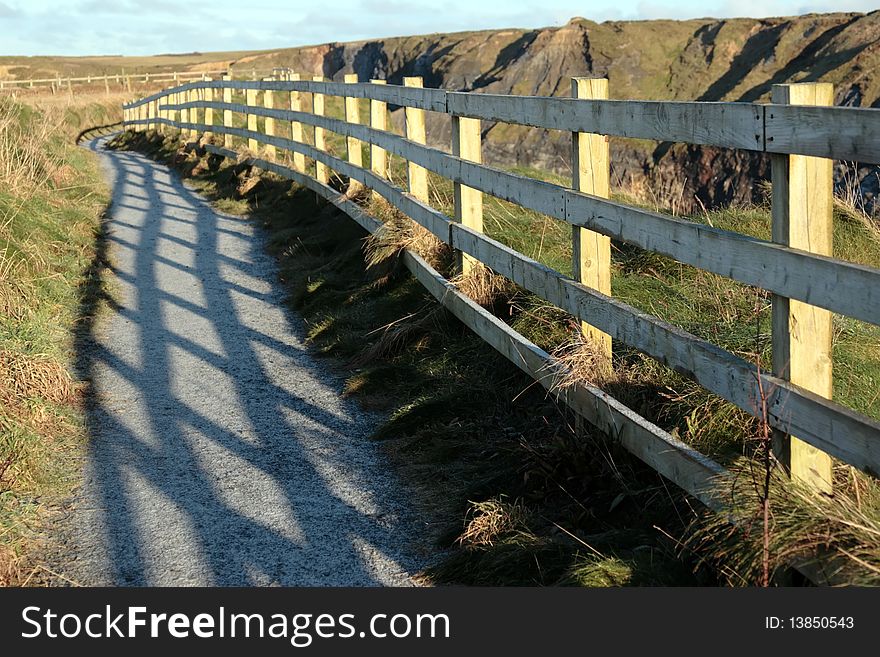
(221, 453)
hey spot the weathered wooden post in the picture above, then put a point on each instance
(378, 121)
(193, 96)
(417, 177)
(106, 85)
(268, 103)
(321, 172)
(591, 174)
(296, 128)
(184, 114)
(171, 99)
(227, 113)
(353, 146)
(467, 144)
(802, 219)
(208, 96)
(251, 101)
(161, 114)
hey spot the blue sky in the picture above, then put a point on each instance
(144, 27)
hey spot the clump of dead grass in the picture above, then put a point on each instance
(29, 376)
(484, 286)
(397, 233)
(488, 521)
(581, 361)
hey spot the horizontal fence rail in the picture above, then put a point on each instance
(813, 279)
(841, 133)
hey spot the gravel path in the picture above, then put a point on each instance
(221, 452)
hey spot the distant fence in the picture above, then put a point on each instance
(806, 283)
(124, 80)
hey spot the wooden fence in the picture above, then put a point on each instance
(122, 79)
(796, 267)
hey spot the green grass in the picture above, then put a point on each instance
(50, 205)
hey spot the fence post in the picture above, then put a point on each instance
(321, 171)
(208, 95)
(467, 144)
(176, 114)
(378, 121)
(591, 174)
(802, 219)
(227, 113)
(250, 96)
(106, 85)
(417, 177)
(160, 113)
(194, 114)
(296, 128)
(184, 114)
(353, 146)
(269, 122)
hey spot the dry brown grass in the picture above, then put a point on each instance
(25, 162)
(582, 362)
(488, 521)
(397, 233)
(34, 376)
(484, 286)
(51, 198)
(839, 533)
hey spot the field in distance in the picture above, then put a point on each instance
(41, 67)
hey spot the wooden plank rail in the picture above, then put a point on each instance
(842, 133)
(813, 279)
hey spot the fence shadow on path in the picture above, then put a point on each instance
(220, 452)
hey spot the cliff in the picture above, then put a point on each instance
(704, 59)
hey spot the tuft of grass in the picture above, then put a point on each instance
(488, 521)
(399, 232)
(838, 534)
(583, 363)
(485, 287)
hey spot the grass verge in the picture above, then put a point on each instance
(51, 199)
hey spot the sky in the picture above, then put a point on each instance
(146, 27)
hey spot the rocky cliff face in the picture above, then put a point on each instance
(705, 59)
